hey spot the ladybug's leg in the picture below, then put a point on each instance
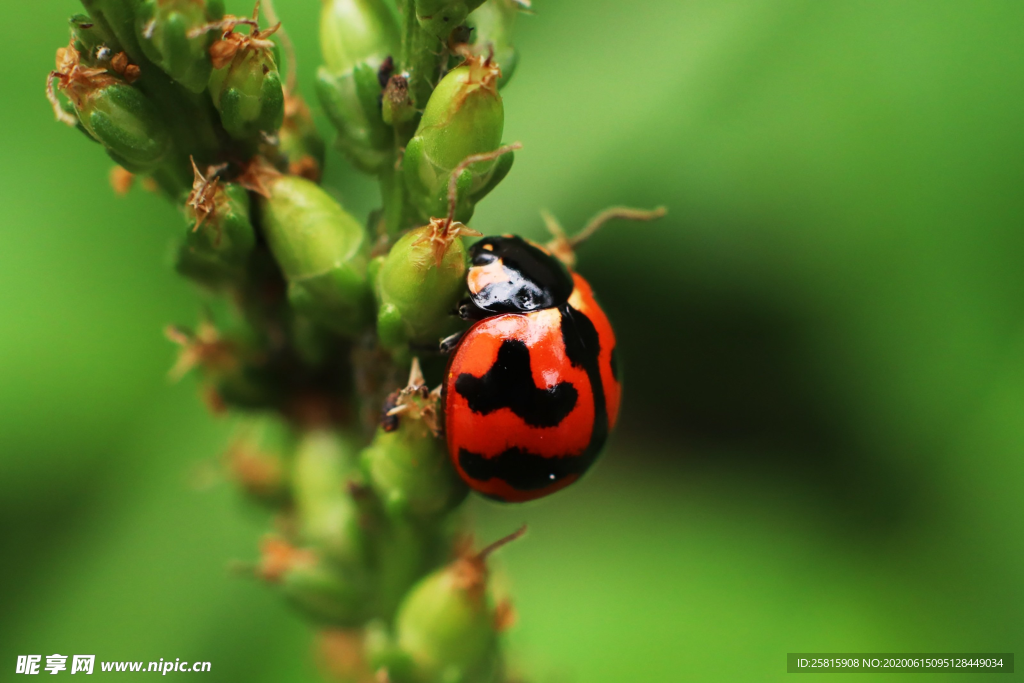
(449, 343)
(467, 310)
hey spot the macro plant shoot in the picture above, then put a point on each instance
(511, 341)
(381, 369)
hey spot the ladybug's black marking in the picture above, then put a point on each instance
(583, 348)
(509, 384)
(614, 362)
(527, 471)
(536, 279)
(519, 469)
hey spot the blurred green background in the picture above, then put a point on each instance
(822, 445)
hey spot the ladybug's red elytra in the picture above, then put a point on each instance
(531, 390)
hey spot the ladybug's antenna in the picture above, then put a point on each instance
(564, 247)
(453, 181)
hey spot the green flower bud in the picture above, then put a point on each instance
(314, 585)
(322, 251)
(407, 465)
(397, 106)
(441, 17)
(171, 35)
(114, 113)
(419, 285)
(329, 518)
(258, 459)
(217, 248)
(447, 625)
(128, 125)
(464, 117)
(356, 32)
(356, 37)
(245, 84)
(492, 25)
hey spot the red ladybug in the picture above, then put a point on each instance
(531, 390)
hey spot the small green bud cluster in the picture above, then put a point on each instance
(448, 626)
(315, 316)
(217, 249)
(357, 38)
(245, 84)
(100, 94)
(172, 35)
(464, 118)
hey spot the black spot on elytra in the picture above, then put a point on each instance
(509, 384)
(583, 347)
(520, 469)
(614, 362)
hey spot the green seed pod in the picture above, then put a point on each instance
(322, 251)
(410, 470)
(356, 37)
(122, 119)
(171, 36)
(217, 247)
(464, 117)
(419, 284)
(492, 24)
(329, 518)
(314, 585)
(447, 625)
(259, 461)
(245, 84)
(406, 464)
(441, 17)
(114, 113)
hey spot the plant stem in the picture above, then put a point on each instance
(392, 192)
(421, 58)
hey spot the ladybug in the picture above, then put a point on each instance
(531, 389)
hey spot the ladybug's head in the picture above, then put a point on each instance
(511, 275)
